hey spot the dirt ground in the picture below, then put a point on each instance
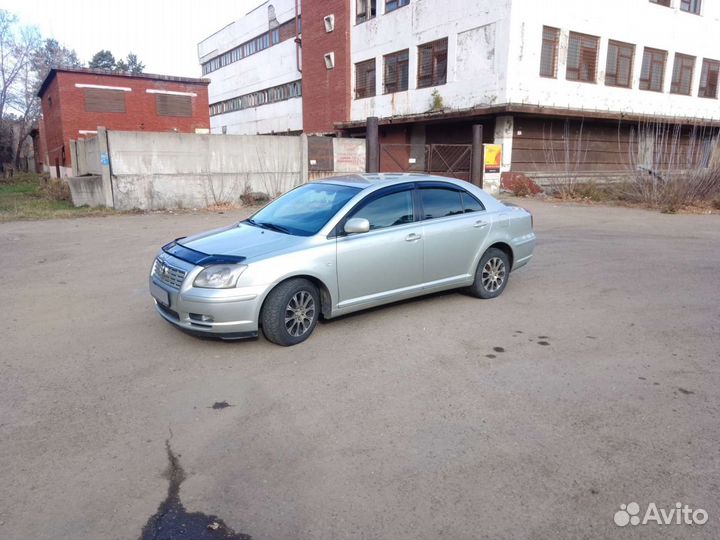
(592, 382)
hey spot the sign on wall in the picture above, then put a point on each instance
(492, 157)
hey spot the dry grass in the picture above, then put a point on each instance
(30, 196)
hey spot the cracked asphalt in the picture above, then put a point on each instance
(593, 381)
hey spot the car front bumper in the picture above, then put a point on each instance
(222, 313)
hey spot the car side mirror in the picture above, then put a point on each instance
(357, 225)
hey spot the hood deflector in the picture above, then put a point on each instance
(186, 254)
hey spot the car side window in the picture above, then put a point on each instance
(440, 202)
(471, 204)
(388, 210)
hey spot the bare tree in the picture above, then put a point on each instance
(672, 165)
(566, 158)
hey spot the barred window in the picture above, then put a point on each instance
(365, 79)
(395, 76)
(392, 5)
(652, 72)
(709, 79)
(432, 63)
(102, 100)
(364, 10)
(549, 54)
(683, 68)
(691, 6)
(171, 105)
(618, 71)
(582, 58)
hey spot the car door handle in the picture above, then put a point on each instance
(480, 224)
(412, 237)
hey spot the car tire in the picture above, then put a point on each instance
(290, 312)
(491, 275)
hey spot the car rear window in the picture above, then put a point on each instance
(439, 202)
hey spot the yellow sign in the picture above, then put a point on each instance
(493, 157)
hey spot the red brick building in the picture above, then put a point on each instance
(76, 101)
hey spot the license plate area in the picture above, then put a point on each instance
(159, 294)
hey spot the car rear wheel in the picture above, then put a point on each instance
(290, 312)
(491, 275)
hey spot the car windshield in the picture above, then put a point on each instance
(304, 210)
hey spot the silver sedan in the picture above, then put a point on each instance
(339, 245)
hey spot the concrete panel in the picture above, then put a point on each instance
(87, 190)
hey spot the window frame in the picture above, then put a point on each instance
(338, 231)
(555, 48)
(709, 63)
(620, 46)
(398, 4)
(397, 58)
(694, 7)
(368, 8)
(569, 69)
(664, 55)
(434, 79)
(371, 92)
(676, 84)
(451, 187)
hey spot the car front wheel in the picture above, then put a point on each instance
(290, 312)
(491, 275)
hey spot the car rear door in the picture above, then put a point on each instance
(386, 261)
(455, 226)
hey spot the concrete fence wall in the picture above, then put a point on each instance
(151, 171)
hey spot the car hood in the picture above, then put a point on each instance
(241, 240)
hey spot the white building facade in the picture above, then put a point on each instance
(254, 68)
(430, 69)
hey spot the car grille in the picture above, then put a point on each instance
(168, 274)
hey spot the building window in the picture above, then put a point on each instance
(285, 31)
(653, 70)
(395, 76)
(171, 105)
(365, 79)
(709, 79)
(665, 3)
(261, 97)
(549, 54)
(618, 71)
(691, 6)
(683, 68)
(432, 63)
(392, 5)
(99, 100)
(582, 58)
(364, 10)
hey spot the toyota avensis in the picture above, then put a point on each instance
(336, 246)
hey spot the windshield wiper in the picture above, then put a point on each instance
(267, 225)
(273, 227)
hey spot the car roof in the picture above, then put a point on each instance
(364, 180)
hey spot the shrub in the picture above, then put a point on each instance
(56, 190)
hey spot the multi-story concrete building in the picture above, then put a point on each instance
(533, 74)
(75, 101)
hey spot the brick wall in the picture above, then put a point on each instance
(326, 92)
(65, 116)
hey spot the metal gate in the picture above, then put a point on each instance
(454, 160)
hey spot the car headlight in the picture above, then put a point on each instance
(219, 276)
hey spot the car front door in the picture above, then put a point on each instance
(387, 261)
(455, 225)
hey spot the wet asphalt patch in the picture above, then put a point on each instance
(173, 522)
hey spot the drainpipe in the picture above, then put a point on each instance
(298, 42)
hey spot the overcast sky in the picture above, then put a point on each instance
(163, 33)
